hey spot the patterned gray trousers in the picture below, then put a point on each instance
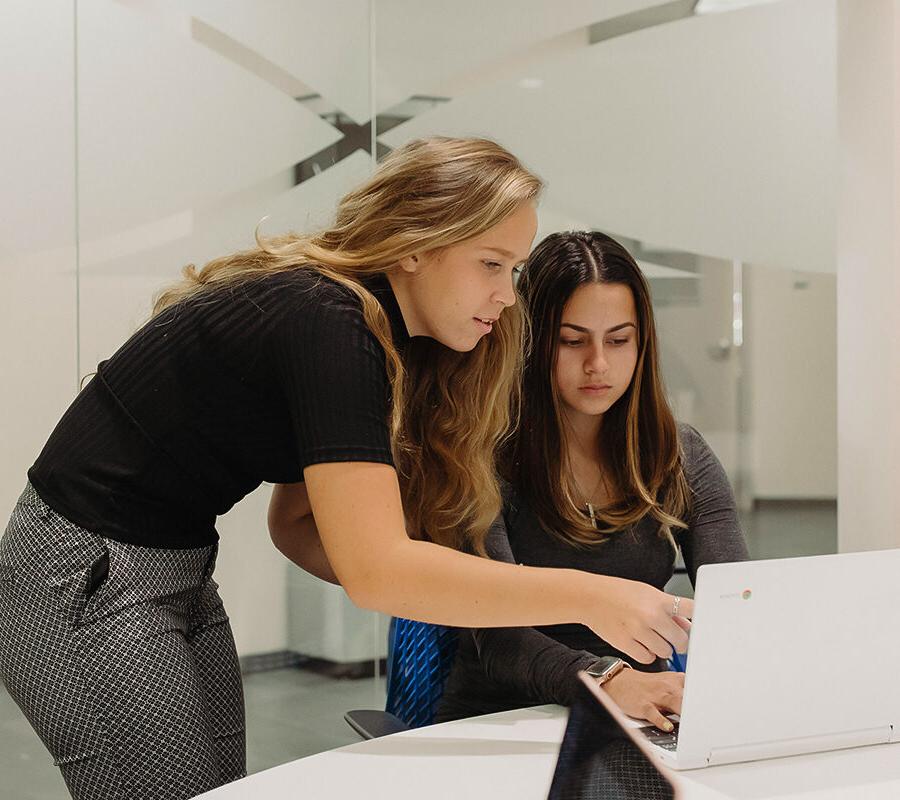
(121, 658)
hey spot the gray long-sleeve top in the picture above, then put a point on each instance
(498, 669)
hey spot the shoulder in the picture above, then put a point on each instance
(694, 447)
(305, 287)
(316, 327)
(305, 301)
(702, 467)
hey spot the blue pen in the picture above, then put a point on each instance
(677, 664)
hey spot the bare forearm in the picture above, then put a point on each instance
(424, 581)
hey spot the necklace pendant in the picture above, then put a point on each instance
(592, 515)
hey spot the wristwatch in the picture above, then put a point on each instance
(606, 668)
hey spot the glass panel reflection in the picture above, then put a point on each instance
(198, 122)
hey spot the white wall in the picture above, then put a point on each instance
(768, 408)
(790, 330)
(868, 254)
(693, 316)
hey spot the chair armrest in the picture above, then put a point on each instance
(373, 724)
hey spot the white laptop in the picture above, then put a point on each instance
(789, 656)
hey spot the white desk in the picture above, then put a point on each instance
(511, 756)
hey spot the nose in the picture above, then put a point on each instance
(596, 361)
(506, 294)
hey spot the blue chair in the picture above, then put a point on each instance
(419, 659)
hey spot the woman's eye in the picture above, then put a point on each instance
(517, 270)
(618, 342)
(570, 342)
(492, 265)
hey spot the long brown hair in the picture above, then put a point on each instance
(639, 437)
(450, 411)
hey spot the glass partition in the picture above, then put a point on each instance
(197, 123)
(660, 126)
(39, 319)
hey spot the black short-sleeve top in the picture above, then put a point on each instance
(229, 388)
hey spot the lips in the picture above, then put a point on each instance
(486, 324)
(595, 387)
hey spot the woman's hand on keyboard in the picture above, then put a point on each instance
(648, 695)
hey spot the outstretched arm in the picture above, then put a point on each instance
(359, 516)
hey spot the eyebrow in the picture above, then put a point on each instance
(500, 250)
(613, 329)
(503, 252)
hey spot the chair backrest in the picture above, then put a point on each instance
(419, 659)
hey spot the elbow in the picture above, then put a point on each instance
(374, 581)
(362, 592)
(375, 578)
(368, 586)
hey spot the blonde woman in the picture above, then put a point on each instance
(601, 479)
(369, 371)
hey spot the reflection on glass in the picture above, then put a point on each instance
(195, 122)
(599, 761)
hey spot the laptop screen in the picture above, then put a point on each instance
(598, 760)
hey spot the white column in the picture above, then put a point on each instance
(868, 246)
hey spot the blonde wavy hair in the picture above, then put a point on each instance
(451, 411)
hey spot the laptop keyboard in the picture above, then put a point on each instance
(666, 740)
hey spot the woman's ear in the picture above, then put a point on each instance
(410, 264)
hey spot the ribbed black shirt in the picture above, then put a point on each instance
(227, 389)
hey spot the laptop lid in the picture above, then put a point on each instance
(792, 655)
(601, 759)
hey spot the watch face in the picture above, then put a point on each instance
(602, 666)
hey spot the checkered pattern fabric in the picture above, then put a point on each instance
(121, 658)
(614, 771)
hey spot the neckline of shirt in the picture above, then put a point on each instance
(380, 287)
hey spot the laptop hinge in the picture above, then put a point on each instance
(801, 744)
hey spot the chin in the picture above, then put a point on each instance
(459, 348)
(591, 409)
(595, 411)
(460, 345)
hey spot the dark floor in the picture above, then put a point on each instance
(293, 713)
